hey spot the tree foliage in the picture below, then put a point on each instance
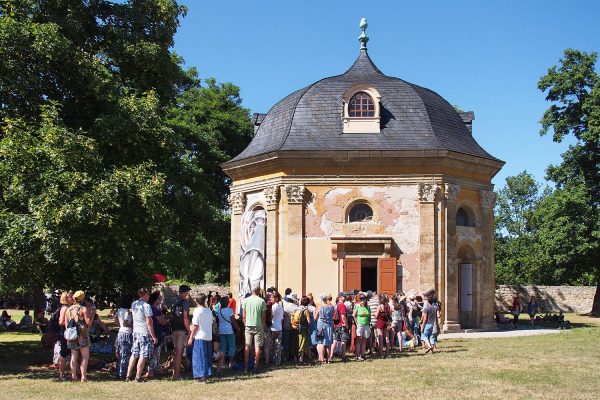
(555, 238)
(109, 149)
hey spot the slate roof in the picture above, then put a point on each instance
(412, 118)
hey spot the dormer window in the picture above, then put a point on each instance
(361, 109)
(361, 106)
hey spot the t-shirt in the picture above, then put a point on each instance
(225, 314)
(277, 319)
(123, 314)
(140, 310)
(203, 319)
(159, 330)
(179, 307)
(373, 305)
(289, 308)
(341, 310)
(254, 307)
(431, 311)
(232, 304)
(26, 320)
(363, 315)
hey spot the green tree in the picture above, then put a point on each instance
(574, 89)
(109, 149)
(515, 234)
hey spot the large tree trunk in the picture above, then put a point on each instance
(39, 300)
(596, 303)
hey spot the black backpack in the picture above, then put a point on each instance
(53, 324)
(177, 312)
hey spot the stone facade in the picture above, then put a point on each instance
(577, 299)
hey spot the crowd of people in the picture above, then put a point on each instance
(267, 327)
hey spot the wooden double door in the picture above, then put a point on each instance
(376, 274)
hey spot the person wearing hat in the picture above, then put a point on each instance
(180, 326)
(80, 347)
(66, 301)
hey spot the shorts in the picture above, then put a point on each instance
(64, 350)
(254, 335)
(428, 334)
(142, 346)
(340, 334)
(363, 331)
(179, 339)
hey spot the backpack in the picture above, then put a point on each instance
(299, 318)
(54, 323)
(72, 331)
(177, 312)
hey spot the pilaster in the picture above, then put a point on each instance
(292, 273)
(488, 199)
(272, 195)
(427, 236)
(451, 294)
(237, 205)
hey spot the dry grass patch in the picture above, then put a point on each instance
(565, 365)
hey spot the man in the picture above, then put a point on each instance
(341, 332)
(144, 338)
(254, 317)
(287, 292)
(180, 327)
(428, 321)
(232, 304)
(289, 336)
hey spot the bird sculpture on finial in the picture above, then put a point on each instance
(363, 38)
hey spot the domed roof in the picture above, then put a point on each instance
(412, 118)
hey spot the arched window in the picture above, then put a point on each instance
(465, 217)
(360, 213)
(361, 106)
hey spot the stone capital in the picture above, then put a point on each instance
(272, 196)
(295, 194)
(488, 199)
(237, 202)
(427, 192)
(451, 191)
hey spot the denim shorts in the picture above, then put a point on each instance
(428, 334)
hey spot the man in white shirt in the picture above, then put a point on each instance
(144, 338)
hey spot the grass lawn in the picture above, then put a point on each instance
(557, 366)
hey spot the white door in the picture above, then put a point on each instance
(466, 287)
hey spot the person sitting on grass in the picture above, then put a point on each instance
(26, 323)
(7, 322)
(40, 322)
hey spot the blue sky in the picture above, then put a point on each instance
(484, 56)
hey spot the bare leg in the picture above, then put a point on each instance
(131, 367)
(177, 362)
(140, 368)
(246, 356)
(332, 350)
(85, 359)
(399, 335)
(62, 363)
(321, 351)
(256, 358)
(74, 364)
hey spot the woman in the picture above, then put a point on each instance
(532, 309)
(383, 317)
(81, 316)
(303, 332)
(362, 317)
(398, 318)
(160, 322)
(124, 319)
(515, 310)
(201, 340)
(312, 328)
(227, 324)
(324, 314)
(276, 325)
(66, 301)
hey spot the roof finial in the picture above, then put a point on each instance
(363, 38)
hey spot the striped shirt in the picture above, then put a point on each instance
(373, 305)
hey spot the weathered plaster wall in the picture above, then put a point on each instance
(395, 214)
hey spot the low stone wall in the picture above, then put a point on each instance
(550, 298)
(170, 291)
